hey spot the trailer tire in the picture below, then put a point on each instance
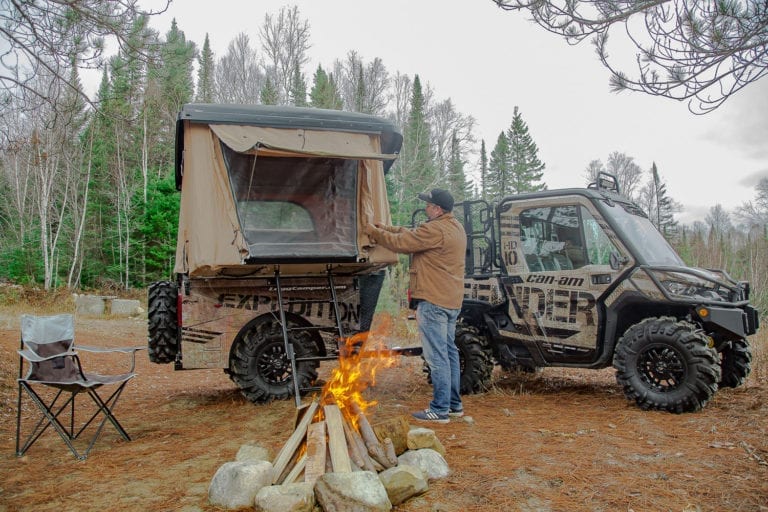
(162, 320)
(735, 363)
(259, 365)
(666, 364)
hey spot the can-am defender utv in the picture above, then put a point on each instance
(581, 278)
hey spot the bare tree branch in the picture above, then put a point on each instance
(56, 35)
(699, 51)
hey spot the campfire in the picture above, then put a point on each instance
(333, 434)
(335, 457)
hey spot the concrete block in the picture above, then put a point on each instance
(125, 307)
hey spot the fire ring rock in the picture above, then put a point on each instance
(235, 484)
(428, 461)
(361, 491)
(403, 482)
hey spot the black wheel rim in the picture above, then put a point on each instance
(273, 365)
(662, 368)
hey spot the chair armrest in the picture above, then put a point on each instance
(34, 358)
(125, 350)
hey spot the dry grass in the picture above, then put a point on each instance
(562, 440)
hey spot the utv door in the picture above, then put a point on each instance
(557, 253)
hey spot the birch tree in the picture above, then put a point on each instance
(364, 87)
(627, 172)
(285, 42)
(239, 76)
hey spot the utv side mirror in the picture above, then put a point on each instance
(616, 260)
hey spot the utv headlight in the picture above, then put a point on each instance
(679, 288)
(691, 290)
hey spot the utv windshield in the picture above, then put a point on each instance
(295, 207)
(649, 244)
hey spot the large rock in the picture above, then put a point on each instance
(428, 461)
(298, 497)
(419, 438)
(236, 484)
(361, 491)
(403, 482)
(253, 453)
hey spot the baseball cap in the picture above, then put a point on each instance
(440, 197)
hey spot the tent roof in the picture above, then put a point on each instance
(286, 117)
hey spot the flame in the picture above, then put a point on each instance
(360, 358)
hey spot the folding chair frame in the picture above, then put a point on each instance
(53, 412)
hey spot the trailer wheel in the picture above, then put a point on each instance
(259, 365)
(665, 364)
(163, 339)
(735, 363)
(475, 360)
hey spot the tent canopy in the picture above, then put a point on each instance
(255, 195)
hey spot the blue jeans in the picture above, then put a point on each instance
(437, 327)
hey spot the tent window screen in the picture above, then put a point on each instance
(295, 207)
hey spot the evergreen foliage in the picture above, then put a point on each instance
(484, 173)
(499, 171)
(324, 93)
(298, 89)
(525, 168)
(206, 69)
(269, 94)
(659, 207)
(415, 170)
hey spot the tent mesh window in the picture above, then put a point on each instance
(295, 207)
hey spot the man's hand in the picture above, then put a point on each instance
(370, 230)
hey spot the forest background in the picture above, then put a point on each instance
(87, 183)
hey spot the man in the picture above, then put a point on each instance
(437, 285)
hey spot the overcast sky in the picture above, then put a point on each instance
(487, 61)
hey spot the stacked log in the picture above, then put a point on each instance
(326, 440)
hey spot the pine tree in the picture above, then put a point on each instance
(459, 185)
(416, 167)
(483, 172)
(324, 93)
(497, 183)
(526, 170)
(269, 94)
(205, 74)
(360, 91)
(298, 88)
(170, 85)
(178, 56)
(663, 218)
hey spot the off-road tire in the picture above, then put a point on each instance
(666, 364)
(259, 365)
(735, 363)
(475, 360)
(163, 339)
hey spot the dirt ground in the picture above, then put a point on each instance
(563, 440)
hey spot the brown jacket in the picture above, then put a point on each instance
(438, 247)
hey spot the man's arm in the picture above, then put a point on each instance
(406, 240)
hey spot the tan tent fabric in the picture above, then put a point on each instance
(210, 241)
(373, 207)
(300, 141)
(209, 232)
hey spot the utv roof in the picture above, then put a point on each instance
(287, 117)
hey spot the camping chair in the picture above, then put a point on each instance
(52, 360)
